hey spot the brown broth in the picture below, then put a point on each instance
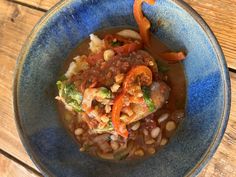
(174, 77)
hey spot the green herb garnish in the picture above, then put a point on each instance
(147, 98)
(104, 93)
(71, 96)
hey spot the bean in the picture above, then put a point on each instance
(150, 141)
(163, 117)
(78, 131)
(108, 54)
(151, 150)
(170, 126)
(139, 152)
(164, 141)
(151, 63)
(155, 132)
(135, 126)
(145, 132)
(82, 149)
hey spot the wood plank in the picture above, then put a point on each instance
(16, 22)
(220, 16)
(10, 168)
(41, 4)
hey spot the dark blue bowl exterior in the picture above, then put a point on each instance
(208, 94)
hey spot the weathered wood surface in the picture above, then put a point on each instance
(16, 22)
(10, 168)
(220, 16)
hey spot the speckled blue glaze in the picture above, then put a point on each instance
(67, 24)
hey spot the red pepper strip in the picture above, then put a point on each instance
(143, 23)
(146, 79)
(143, 71)
(128, 48)
(116, 109)
(173, 56)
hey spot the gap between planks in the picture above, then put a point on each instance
(17, 164)
(9, 51)
(29, 5)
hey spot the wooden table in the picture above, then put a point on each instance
(17, 18)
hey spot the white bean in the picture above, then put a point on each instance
(135, 126)
(108, 54)
(139, 152)
(170, 126)
(150, 141)
(145, 132)
(155, 132)
(129, 34)
(78, 131)
(163, 117)
(82, 149)
(164, 141)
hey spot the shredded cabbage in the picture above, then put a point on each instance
(72, 97)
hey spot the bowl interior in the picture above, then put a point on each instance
(45, 138)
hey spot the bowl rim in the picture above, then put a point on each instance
(224, 71)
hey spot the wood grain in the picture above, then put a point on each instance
(220, 16)
(42, 4)
(10, 168)
(16, 22)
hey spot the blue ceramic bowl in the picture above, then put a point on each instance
(208, 89)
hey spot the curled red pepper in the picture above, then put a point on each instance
(143, 23)
(173, 56)
(145, 75)
(116, 109)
